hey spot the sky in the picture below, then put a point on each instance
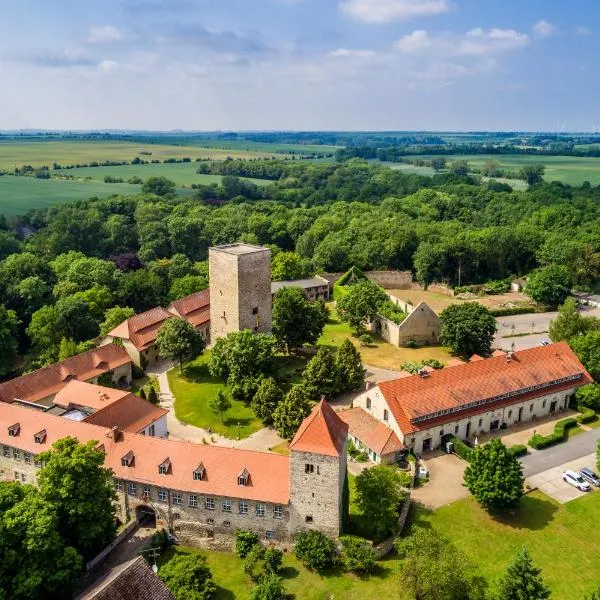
(300, 64)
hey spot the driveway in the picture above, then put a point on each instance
(551, 483)
(445, 483)
(577, 447)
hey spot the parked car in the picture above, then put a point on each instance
(545, 342)
(590, 476)
(576, 480)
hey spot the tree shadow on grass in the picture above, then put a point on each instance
(233, 422)
(224, 594)
(289, 573)
(532, 513)
(198, 374)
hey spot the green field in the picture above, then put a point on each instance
(248, 146)
(38, 153)
(20, 194)
(573, 170)
(183, 174)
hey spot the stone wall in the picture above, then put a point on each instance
(422, 326)
(399, 280)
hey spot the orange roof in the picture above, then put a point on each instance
(370, 431)
(475, 358)
(498, 353)
(194, 308)
(496, 381)
(322, 432)
(48, 381)
(269, 473)
(130, 413)
(142, 329)
(80, 393)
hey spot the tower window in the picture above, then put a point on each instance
(308, 468)
(255, 310)
(385, 414)
(308, 518)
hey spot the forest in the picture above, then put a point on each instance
(63, 269)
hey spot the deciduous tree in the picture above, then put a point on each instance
(468, 328)
(161, 186)
(360, 303)
(570, 322)
(587, 348)
(549, 285)
(291, 411)
(315, 549)
(179, 341)
(115, 316)
(266, 400)
(220, 404)
(8, 339)
(188, 577)
(349, 367)
(320, 377)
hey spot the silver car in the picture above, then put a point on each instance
(590, 476)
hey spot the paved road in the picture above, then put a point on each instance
(577, 447)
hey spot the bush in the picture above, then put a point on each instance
(188, 576)
(410, 344)
(515, 310)
(315, 550)
(588, 396)
(518, 450)
(365, 339)
(136, 372)
(253, 562)
(244, 541)
(152, 396)
(270, 588)
(560, 430)
(587, 415)
(273, 560)
(462, 450)
(357, 555)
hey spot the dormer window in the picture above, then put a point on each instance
(199, 472)
(164, 466)
(127, 460)
(243, 477)
(40, 437)
(385, 414)
(13, 430)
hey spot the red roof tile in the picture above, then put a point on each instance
(47, 381)
(142, 329)
(322, 432)
(130, 413)
(416, 397)
(269, 473)
(370, 431)
(190, 306)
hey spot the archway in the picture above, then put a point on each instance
(145, 516)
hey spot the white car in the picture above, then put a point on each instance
(576, 480)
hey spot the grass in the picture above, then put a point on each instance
(195, 388)
(37, 153)
(380, 353)
(183, 174)
(282, 448)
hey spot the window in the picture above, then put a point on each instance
(227, 505)
(308, 518)
(199, 472)
(132, 489)
(441, 432)
(176, 497)
(226, 523)
(151, 430)
(13, 430)
(6, 451)
(209, 503)
(544, 404)
(162, 495)
(242, 480)
(210, 521)
(27, 457)
(456, 429)
(243, 507)
(119, 486)
(40, 437)
(278, 512)
(193, 501)
(16, 454)
(308, 468)
(531, 408)
(37, 462)
(255, 310)
(23, 477)
(176, 516)
(369, 403)
(480, 422)
(509, 414)
(127, 460)
(385, 414)
(146, 492)
(17, 476)
(270, 534)
(164, 466)
(260, 509)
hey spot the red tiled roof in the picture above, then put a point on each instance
(130, 413)
(194, 308)
(370, 431)
(269, 473)
(416, 396)
(475, 358)
(47, 381)
(322, 432)
(80, 393)
(142, 329)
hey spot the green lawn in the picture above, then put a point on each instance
(195, 388)
(561, 539)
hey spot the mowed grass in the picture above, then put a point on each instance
(248, 146)
(20, 194)
(15, 153)
(183, 174)
(195, 388)
(380, 353)
(561, 538)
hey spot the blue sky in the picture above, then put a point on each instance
(300, 64)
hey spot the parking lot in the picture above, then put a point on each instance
(551, 483)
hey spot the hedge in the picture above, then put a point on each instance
(518, 450)
(587, 415)
(462, 450)
(560, 429)
(516, 310)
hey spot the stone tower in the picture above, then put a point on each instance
(240, 289)
(317, 472)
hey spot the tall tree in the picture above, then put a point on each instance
(522, 580)
(115, 316)
(320, 377)
(549, 285)
(587, 348)
(349, 367)
(360, 303)
(74, 480)
(179, 341)
(532, 174)
(495, 476)
(161, 186)
(296, 320)
(188, 577)
(468, 328)
(291, 411)
(9, 324)
(289, 265)
(570, 322)
(267, 398)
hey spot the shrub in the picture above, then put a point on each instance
(588, 396)
(152, 396)
(273, 560)
(410, 344)
(462, 450)
(587, 415)
(366, 339)
(253, 562)
(315, 550)
(136, 372)
(432, 362)
(518, 450)
(270, 587)
(560, 429)
(244, 541)
(142, 393)
(357, 555)
(188, 576)
(515, 310)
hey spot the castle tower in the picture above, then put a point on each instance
(317, 472)
(240, 289)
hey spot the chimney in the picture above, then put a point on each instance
(509, 356)
(116, 433)
(423, 373)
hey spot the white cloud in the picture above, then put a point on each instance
(348, 53)
(582, 31)
(108, 66)
(104, 35)
(387, 11)
(543, 29)
(477, 42)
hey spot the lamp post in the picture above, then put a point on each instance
(238, 429)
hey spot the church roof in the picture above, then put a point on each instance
(322, 432)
